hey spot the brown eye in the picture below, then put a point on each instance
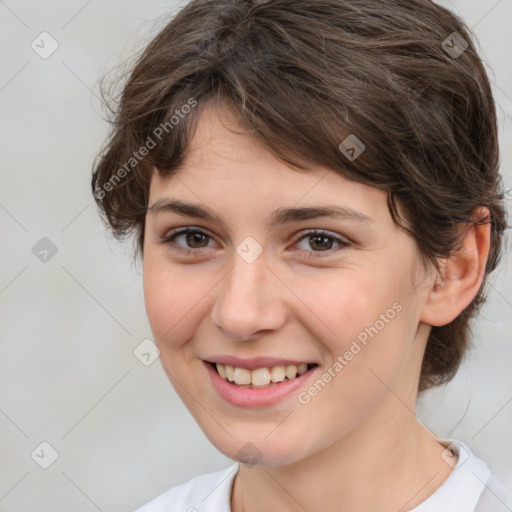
(192, 238)
(196, 239)
(321, 241)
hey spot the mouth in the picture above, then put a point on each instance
(260, 378)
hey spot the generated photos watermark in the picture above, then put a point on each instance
(343, 360)
(144, 150)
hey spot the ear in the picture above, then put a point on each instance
(461, 274)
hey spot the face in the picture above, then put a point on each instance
(267, 290)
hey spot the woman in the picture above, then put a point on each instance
(314, 188)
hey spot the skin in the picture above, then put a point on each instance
(357, 444)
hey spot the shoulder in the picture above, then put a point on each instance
(495, 497)
(467, 489)
(205, 493)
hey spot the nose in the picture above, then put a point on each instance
(250, 300)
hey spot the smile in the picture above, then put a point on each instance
(260, 377)
(261, 386)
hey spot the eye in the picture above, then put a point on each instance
(194, 238)
(321, 241)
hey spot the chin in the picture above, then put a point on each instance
(259, 451)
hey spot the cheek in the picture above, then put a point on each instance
(366, 326)
(339, 304)
(172, 299)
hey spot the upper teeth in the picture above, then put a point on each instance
(260, 376)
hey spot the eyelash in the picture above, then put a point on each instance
(315, 232)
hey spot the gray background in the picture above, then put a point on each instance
(68, 375)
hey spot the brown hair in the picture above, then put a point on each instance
(403, 76)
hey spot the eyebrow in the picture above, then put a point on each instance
(279, 216)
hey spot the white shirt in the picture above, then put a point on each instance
(470, 487)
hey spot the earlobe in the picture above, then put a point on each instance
(461, 274)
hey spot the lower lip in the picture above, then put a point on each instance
(254, 397)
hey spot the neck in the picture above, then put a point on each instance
(389, 463)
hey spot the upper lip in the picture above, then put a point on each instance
(255, 362)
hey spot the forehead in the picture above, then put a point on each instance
(225, 165)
